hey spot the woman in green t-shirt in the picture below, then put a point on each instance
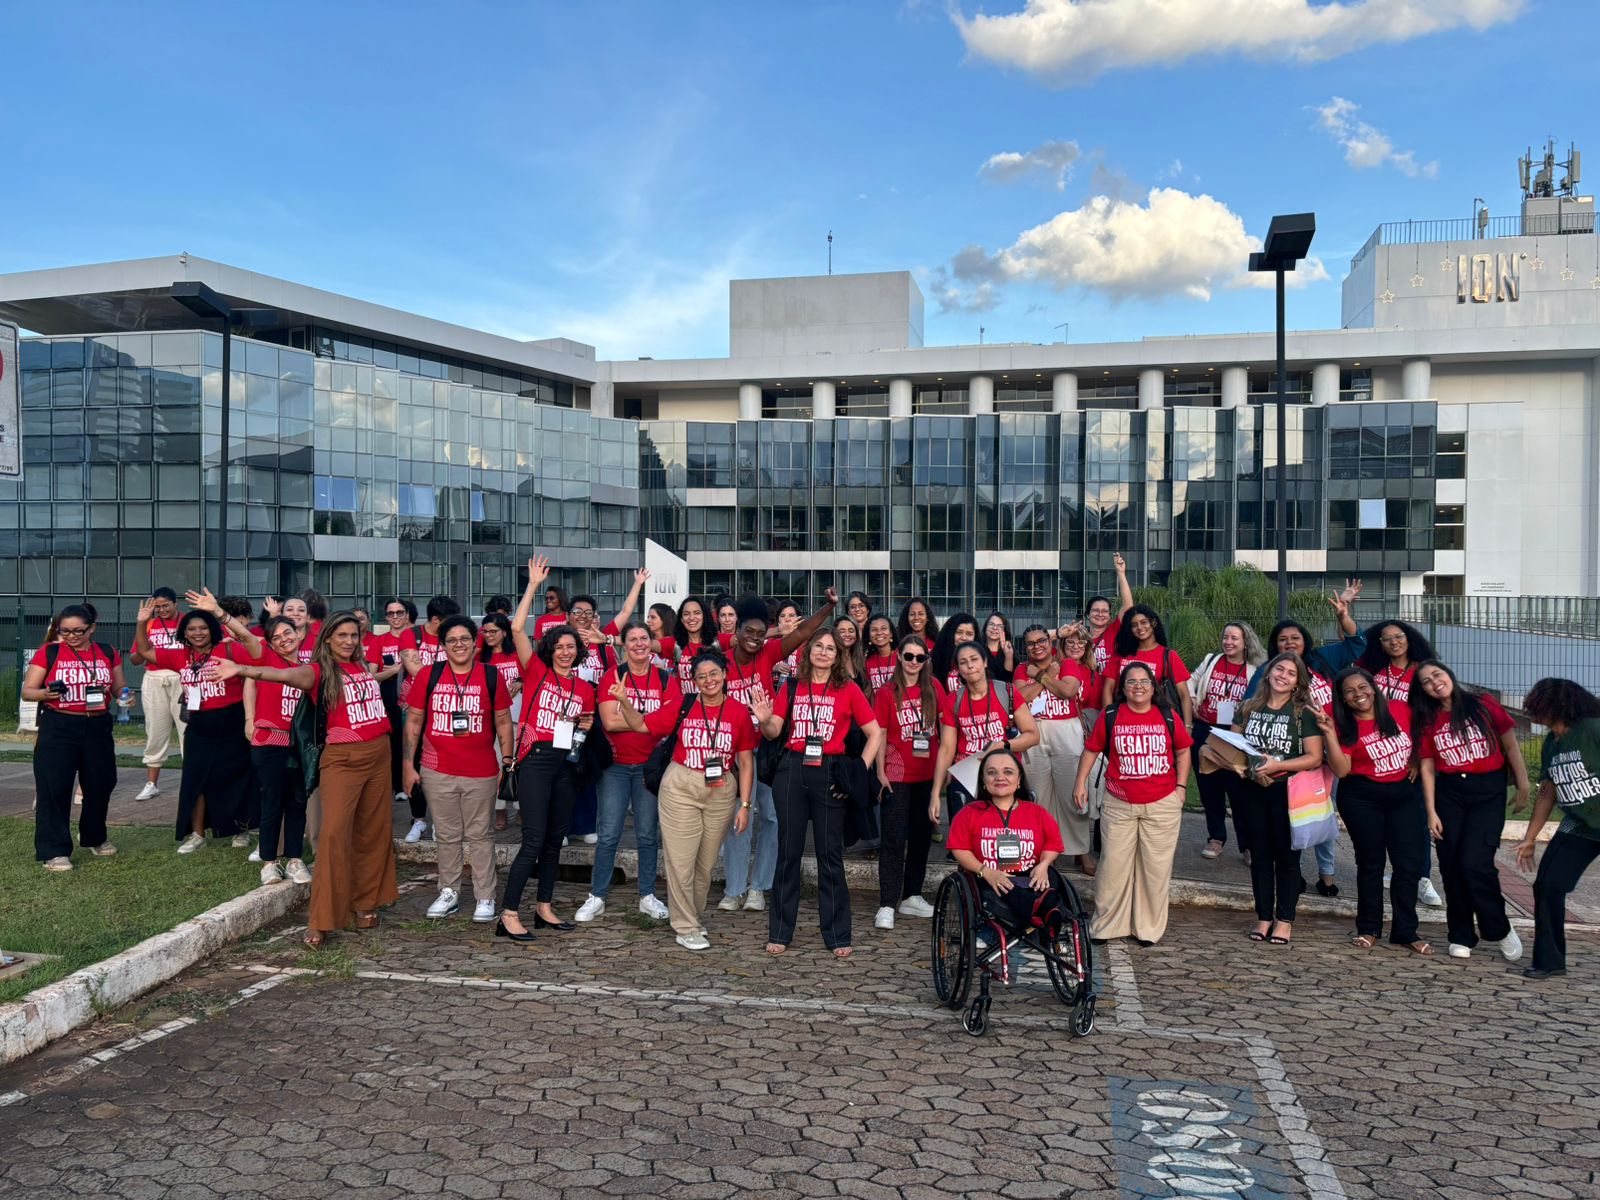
(1279, 720)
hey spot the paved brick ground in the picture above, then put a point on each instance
(435, 1060)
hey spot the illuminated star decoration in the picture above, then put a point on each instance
(1417, 280)
(1595, 283)
(1386, 296)
(1446, 264)
(1566, 274)
(1536, 263)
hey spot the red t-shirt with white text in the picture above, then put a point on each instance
(824, 711)
(978, 723)
(1055, 708)
(1226, 685)
(1141, 764)
(743, 676)
(80, 672)
(360, 717)
(546, 699)
(1396, 685)
(977, 826)
(721, 730)
(189, 666)
(275, 704)
(1476, 753)
(647, 695)
(901, 721)
(470, 755)
(1383, 759)
(880, 669)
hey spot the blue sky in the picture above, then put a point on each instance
(600, 171)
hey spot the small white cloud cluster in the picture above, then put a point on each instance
(1052, 160)
(1366, 146)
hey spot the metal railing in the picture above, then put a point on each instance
(1465, 229)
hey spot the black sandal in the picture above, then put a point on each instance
(1279, 941)
(1260, 935)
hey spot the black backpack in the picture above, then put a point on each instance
(655, 767)
(771, 752)
(1172, 733)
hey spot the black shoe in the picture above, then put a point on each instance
(1144, 943)
(559, 926)
(1541, 973)
(1327, 889)
(500, 930)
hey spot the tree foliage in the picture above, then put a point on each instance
(1198, 601)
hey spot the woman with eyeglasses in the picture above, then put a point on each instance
(1217, 689)
(998, 646)
(979, 715)
(858, 608)
(216, 756)
(881, 658)
(812, 719)
(907, 708)
(1054, 689)
(1147, 772)
(557, 716)
(1103, 623)
(355, 873)
(75, 681)
(1393, 652)
(710, 777)
(268, 719)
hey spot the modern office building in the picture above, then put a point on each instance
(1446, 439)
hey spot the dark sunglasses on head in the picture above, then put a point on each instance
(910, 657)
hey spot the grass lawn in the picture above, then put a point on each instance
(105, 905)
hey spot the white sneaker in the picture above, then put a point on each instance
(103, 850)
(149, 791)
(564, 842)
(755, 900)
(271, 873)
(694, 941)
(195, 841)
(884, 919)
(402, 798)
(254, 855)
(483, 912)
(1429, 894)
(240, 841)
(591, 908)
(1457, 950)
(295, 871)
(445, 905)
(1511, 946)
(418, 828)
(731, 903)
(59, 863)
(916, 906)
(652, 907)
(590, 839)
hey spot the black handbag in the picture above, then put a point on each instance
(771, 752)
(655, 767)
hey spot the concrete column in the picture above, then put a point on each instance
(1152, 388)
(980, 395)
(1416, 379)
(1235, 387)
(1063, 392)
(602, 398)
(823, 394)
(749, 402)
(1325, 383)
(900, 392)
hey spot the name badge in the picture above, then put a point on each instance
(1040, 703)
(921, 744)
(714, 769)
(191, 698)
(460, 724)
(94, 698)
(1007, 848)
(813, 751)
(1225, 711)
(561, 734)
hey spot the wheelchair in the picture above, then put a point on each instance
(959, 916)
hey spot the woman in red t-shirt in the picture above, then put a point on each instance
(691, 633)
(355, 845)
(1143, 638)
(814, 716)
(978, 715)
(268, 718)
(1147, 775)
(75, 681)
(881, 658)
(1217, 688)
(496, 649)
(1369, 747)
(907, 708)
(1468, 746)
(1104, 624)
(1393, 651)
(711, 775)
(557, 716)
(216, 757)
(1054, 689)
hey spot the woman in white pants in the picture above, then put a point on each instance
(1054, 689)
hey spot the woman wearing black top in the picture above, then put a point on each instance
(998, 648)
(957, 631)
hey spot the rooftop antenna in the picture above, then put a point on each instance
(830, 252)
(980, 335)
(1066, 330)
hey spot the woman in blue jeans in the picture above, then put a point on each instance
(621, 788)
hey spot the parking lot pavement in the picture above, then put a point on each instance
(431, 1059)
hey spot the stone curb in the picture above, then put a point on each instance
(56, 1009)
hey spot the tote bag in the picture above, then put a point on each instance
(1311, 816)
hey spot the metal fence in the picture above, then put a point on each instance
(1505, 644)
(1465, 229)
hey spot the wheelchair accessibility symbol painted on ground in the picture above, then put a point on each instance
(1198, 1141)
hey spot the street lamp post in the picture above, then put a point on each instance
(1288, 239)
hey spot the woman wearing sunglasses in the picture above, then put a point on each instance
(907, 709)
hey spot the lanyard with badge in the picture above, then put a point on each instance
(94, 692)
(1007, 843)
(813, 747)
(460, 722)
(192, 691)
(712, 763)
(922, 738)
(563, 729)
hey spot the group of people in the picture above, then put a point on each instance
(736, 729)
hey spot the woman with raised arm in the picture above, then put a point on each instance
(711, 775)
(355, 873)
(907, 708)
(979, 714)
(1369, 746)
(216, 757)
(1143, 638)
(1054, 689)
(1281, 721)
(557, 716)
(812, 719)
(1392, 654)
(1147, 775)
(75, 681)
(1103, 623)
(1469, 748)
(1217, 688)
(268, 719)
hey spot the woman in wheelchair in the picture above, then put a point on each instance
(1008, 842)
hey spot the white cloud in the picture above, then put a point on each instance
(1366, 146)
(1169, 243)
(1050, 159)
(1069, 41)
(1311, 270)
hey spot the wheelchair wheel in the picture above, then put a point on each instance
(976, 1019)
(1074, 946)
(1083, 1018)
(953, 950)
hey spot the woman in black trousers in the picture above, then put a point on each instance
(813, 715)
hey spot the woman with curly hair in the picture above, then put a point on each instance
(1143, 638)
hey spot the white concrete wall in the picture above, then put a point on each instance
(710, 404)
(824, 314)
